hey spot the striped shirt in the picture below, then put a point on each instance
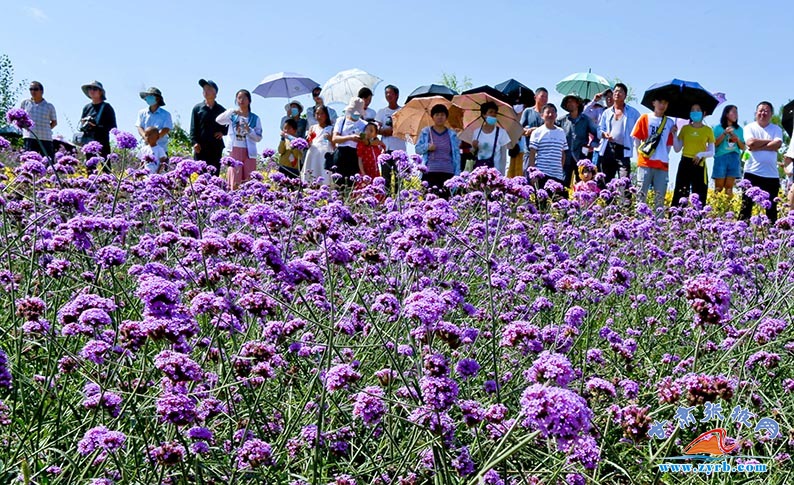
(549, 145)
(440, 160)
(41, 114)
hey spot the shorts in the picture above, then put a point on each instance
(727, 165)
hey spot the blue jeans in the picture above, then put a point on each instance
(727, 165)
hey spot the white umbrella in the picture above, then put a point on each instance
(345, 85)
(285, 85)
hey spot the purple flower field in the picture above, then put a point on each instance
(162, 329)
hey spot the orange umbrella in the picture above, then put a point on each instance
(415, 116)
(506, 117)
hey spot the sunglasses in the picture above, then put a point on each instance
(93, 88)
(35, 89)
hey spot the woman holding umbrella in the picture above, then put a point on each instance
(697, 142)
(489, 139)
(439, 148)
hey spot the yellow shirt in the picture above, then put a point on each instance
(290, 157)
(695, 139)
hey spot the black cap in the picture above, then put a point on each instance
(204, 82)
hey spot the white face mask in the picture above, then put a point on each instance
(519, 108)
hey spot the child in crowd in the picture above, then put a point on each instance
(290, 159)
(587, 174)
(368, 150)
(152, 155)
(653, 135)
(547, 147)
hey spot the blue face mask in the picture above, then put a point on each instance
(293, 112)
(150, 100)
(355, 116)
(491, 120)
(696, 116)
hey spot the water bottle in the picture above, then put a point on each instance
(731, 145)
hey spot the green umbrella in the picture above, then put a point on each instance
(584, 84)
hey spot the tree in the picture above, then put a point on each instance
(631, 95)
(9, 91)
(451, 81)
(179, 144)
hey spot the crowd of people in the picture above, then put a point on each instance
(584, 149)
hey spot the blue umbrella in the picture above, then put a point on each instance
(285, 85)
(680, 96)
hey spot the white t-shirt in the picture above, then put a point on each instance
(486, 146)
(789, 169)
(369, 114)
(156, 153)
(384, 118)
(241, 130)
(345, 127)
(762, 163)
(662, 152)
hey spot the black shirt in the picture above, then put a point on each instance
(203, 125)
(104, 123)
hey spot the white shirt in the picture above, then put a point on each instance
(662, 152)
(762, 163)
(384, 119)
(241, 130)
(156, 152)
(486, 146)
(345, 127)
(369, 114)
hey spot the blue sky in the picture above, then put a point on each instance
(743, 49)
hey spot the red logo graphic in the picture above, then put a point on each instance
(711, 442)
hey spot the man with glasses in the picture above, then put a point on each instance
(763, 140)
(43, 115)
(614, 127)
(318, 102)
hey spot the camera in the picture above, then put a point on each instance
(84, 123)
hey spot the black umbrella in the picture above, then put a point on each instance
(68, 146)
(681, 95)
(431, 90)
(9, 132)
(489, 91)
(788, 118)
(517, 92)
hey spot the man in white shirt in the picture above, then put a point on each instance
(386, 128)
(763, 139)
